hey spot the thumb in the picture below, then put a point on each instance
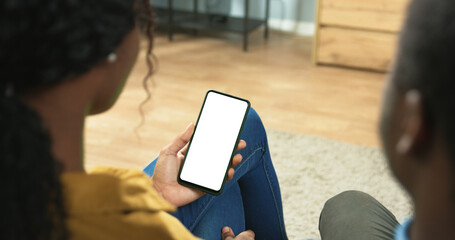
(181, 140)
(227, 233)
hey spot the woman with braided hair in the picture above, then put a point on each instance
(62, 60)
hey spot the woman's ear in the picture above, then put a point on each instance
(413, 133)
(114, 72)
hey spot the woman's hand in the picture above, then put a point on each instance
(228, 234)
(168, 165)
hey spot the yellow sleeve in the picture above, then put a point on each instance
(129, 225)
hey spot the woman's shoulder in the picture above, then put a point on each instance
(118, 203)
(128, 225)
(107, 189)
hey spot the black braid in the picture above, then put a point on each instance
(42, 43)
(31, 202)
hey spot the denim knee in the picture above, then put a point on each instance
(253, 125)
(253, 115)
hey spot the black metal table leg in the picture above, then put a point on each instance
(195, 12)
(245, 26)
(266, 23)
(170, 19)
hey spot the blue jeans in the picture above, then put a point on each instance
(251, 200)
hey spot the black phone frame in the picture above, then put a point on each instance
(199, 187)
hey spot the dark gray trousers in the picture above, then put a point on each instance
(355, 215)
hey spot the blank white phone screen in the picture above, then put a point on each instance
(213, 141)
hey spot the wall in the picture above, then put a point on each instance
(296, 16)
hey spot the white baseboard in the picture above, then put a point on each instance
(286, 25)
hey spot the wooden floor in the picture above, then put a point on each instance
(277, 76)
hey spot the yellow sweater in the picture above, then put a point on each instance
(111, 203)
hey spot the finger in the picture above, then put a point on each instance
(241, 145)
(250, 234)
(184, 150)
(230, 174)
(181, 140)
(227, 233)
(236, 160)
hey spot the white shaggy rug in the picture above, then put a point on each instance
(313, 169)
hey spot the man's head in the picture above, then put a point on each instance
(418, 119)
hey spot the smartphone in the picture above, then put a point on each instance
(214, 141)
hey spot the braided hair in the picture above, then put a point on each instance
(43, 43)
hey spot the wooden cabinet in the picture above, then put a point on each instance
(358, 33)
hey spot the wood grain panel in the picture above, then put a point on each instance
(376, 15)
(356, 48)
